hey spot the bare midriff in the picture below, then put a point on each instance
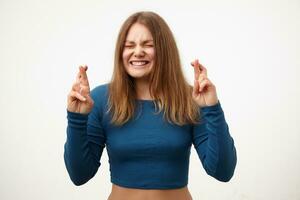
(122, 193)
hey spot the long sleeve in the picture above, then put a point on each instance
(214, 145)
(84, 144)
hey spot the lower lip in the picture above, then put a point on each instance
(139, 66)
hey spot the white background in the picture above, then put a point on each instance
(250, 48)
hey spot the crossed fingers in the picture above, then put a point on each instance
(200, 71)
(82, 84)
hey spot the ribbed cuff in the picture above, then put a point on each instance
(77, 120)
(215, 107)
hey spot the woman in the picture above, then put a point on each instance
(148, 117)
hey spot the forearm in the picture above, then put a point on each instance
(216, 146)
(80, 162)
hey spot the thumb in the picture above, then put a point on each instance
(89, 100)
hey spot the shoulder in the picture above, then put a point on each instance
(100, 93)
(100, 89)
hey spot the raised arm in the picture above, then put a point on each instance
(211, 138)
(85, 136)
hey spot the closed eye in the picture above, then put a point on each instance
(129, 46)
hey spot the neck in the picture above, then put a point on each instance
(142, 89)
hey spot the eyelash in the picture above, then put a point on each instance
(131, 46)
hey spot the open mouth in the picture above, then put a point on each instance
(139, 63)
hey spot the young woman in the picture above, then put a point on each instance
(147, 117)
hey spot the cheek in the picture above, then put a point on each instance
(151, 53)
(125, 55)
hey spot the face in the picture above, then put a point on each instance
(138, 53)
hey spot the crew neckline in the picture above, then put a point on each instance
(145, 99)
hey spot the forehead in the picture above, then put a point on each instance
(138, 32)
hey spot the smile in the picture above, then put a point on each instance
(139, 63)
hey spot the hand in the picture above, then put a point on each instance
(79, 99)
(204, 91)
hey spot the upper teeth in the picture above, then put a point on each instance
(138, 63)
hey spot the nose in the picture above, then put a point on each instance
(139, 51)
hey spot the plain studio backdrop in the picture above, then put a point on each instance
(251, 50)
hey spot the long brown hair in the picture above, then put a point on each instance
(168, 87)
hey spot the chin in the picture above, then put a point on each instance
(138, 75)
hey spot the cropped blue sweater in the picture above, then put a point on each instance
(147, 152)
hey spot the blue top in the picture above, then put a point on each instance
(147, 152)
